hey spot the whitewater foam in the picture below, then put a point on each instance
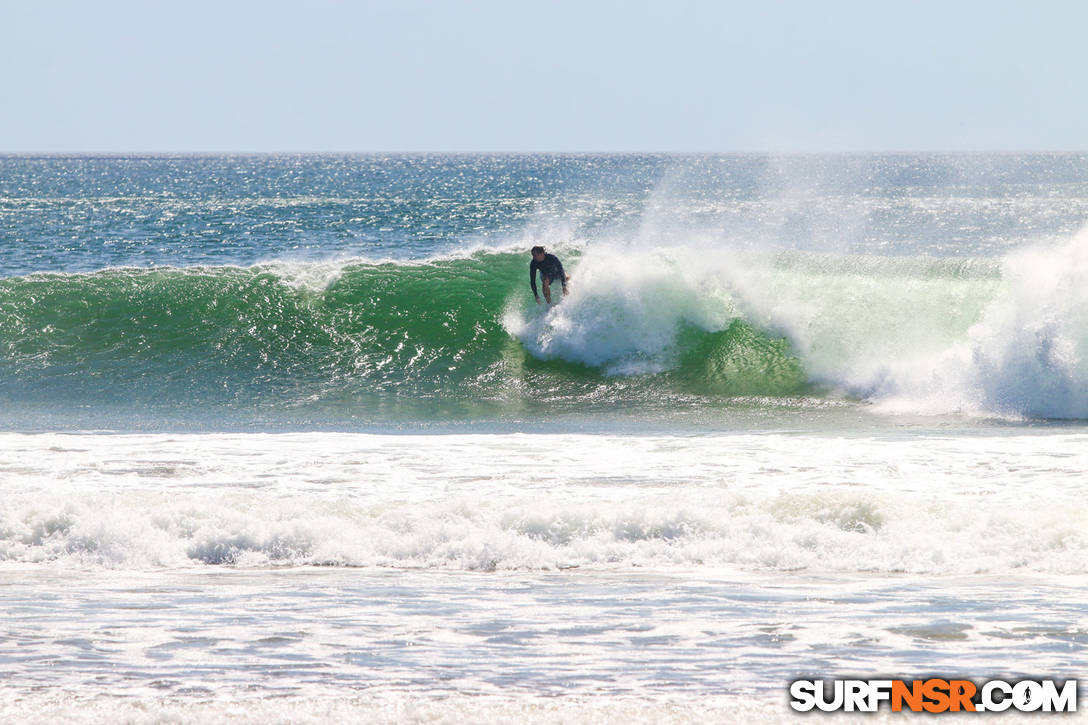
(625, 311)
(481, 502)
(1004, 337)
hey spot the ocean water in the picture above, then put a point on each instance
(286, 439)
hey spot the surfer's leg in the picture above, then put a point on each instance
(546, 285)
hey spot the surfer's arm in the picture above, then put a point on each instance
(532, 280)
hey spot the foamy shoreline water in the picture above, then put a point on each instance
(307, 644)
(405, 709)
(642, 577)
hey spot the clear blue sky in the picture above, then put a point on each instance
(550, 75)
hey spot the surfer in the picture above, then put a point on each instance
(551, 269)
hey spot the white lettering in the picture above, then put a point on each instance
(836, 700)
(804, 695)
(1027, 696)
(1064, 701)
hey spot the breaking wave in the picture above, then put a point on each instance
(1005, 336)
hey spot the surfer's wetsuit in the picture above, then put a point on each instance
(551, 269)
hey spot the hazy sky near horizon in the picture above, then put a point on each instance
(477, 75)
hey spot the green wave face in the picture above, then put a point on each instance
(378, 339)
(740, 361)
(231, 333)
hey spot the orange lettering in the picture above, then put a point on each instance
(936, 691)
(961, 692)
(911, 695)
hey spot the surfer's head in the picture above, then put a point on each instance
(538, 253)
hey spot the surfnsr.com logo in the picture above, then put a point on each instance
(934, 695)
